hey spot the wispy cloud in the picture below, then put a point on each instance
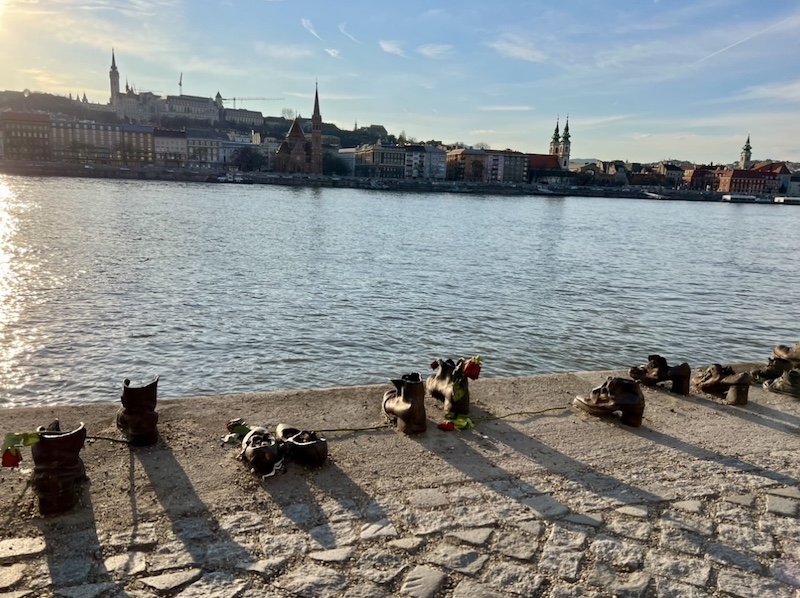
(345, 32)
(482, 132)
(392, 47)
(283, 51)
(598, 121)
(513, 46)
(333, 53)
(435, 50)
(505, 108)
(780, 92)
(309, 26)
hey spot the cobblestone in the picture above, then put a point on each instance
(530, 508)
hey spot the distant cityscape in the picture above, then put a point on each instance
(139, 129)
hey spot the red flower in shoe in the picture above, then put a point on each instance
(11, 457)
(472, 369)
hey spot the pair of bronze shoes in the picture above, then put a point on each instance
(615, 395)
(724, 381)
(264, 452)
(657, 370)
(775, 368)
(787, 383)
(782, 373)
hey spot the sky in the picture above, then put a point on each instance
(641, 80)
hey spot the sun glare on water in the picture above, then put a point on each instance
(10, 346)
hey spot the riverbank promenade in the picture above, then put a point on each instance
(701, 500)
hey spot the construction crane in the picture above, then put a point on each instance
(234, 100)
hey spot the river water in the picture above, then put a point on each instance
(230, 288)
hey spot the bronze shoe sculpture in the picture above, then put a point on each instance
(775, 367)
(58, 467)
(450, 385)
(261, 453)
(137, 418)
(788, 383)
(404, 405)
(304, 446)
(725, 382)
(785, 352)
(657, 370)
(615, 395)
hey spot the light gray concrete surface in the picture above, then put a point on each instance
(702, 500)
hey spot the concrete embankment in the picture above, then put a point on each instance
(701, 500)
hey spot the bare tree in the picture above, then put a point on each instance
(287, 113)
(482, 145)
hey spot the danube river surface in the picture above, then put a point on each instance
(230, 288)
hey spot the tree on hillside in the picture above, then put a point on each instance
(247, 159)
(482, 145)
(332, 164)
(287, 113)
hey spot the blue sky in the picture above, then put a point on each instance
(641, 80)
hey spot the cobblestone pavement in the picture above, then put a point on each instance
(703, 500)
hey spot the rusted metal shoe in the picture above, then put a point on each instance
(657, 370)
(786, 352)
(788, 383)
(137, 418)
(261, 453)
(58, 468)
(725, 382)
(775, 367)
(303, 446)
(450, 385)
(404, 405)
(615, 395)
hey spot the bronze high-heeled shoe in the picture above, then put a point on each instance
(615, 395)
(657, 370)
(724, 381)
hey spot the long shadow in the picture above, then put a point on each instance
(568, 467)
(328, 523)
(649, 434)
(72, 555)
(752, 412)
(192, 522)
(707, 455)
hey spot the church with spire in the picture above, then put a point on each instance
(298, 153)
(553, 165)
(560, 145)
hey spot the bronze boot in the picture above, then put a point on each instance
(57, 468)
(450, 385)
(615, 395)
(405, 404)
(788, 383)
(137, 418)
(681, 376)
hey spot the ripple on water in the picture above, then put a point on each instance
(226, 289)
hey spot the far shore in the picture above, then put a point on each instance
(192, 175)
